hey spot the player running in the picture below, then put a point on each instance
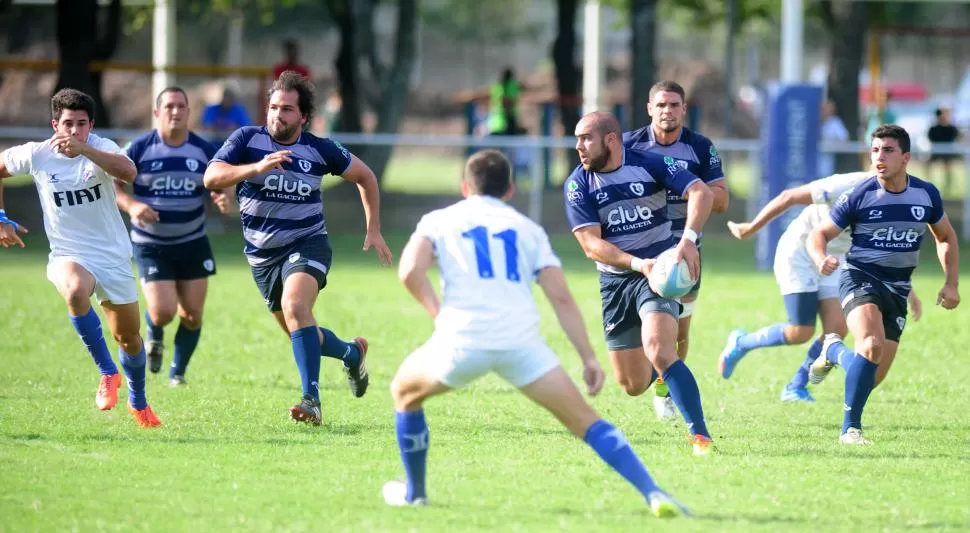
(888, 216)
(485, 247)
(167, 213)
(277, 170)
(666, 135)
(90, 252)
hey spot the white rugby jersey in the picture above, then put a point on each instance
(489, 254)
(78, 198)
(825, 192)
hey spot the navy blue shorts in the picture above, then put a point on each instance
(311, 255)
(175, 262)
(858, 288)
(625, 297)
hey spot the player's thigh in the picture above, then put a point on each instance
(866, 324)
(833, 318)
(659, 332)
(191, 298)
(558, 394)
(124, 321)
(632, 370)
(161, 298)
(73, 282)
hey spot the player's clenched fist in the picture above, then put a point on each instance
(828, 265)
(274, 160)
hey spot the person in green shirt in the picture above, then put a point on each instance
(504, 98)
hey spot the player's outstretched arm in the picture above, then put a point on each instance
(221, 175)
(118, 166)
(598, 249)
(772, 210)
(722, 199)
(816, 244)
(8, 228)
(370, 196)
(416, 259)
(948, 251)
(140, 213)
(699, 202)
(553, 283)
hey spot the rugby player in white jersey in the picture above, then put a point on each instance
(487, 321)
(90, 251)
(806, 292)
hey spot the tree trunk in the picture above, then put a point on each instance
(847, 23)
(567, 75)
(643, 16)
(395, 83)
(79, 42)
(346, 64)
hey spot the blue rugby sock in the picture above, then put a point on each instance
(155, 333)
(89, 328)
(800, 379)
(840, 354)
(687, 397)
(773, 335)
(412, 439)
(611, 445)
(185, 342)
(860, 378)
(333, 346)
(134, 366)
(306, 349)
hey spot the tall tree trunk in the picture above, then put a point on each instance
(567, 75)
(79, 42)
(643, 15)
(346, 64)
(847, 23)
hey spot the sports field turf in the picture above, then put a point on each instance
(229, 458)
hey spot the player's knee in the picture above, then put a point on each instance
(295, 312)
(799, 334)
(634, 386)
(871, 347)
(162, 316)
(76, 296)
(129, 341)
(191, 319)
(406, 393)
(659, 353)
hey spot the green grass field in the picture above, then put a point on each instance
(229, 458)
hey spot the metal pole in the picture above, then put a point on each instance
(164, 35)
(593, 71)
(792, 29)
(535, 195)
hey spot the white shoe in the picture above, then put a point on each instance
(665, 407)
(396, 493)
(818, 370)
(854, 437)
(664, 505)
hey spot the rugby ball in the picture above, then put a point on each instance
(670, 278)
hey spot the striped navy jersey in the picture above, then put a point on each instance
(693, 152)
(280, 208)
(629, 204)
(887, 228)
(170, 181)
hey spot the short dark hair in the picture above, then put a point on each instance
(172, 89)
(73, 100)
(291, 80)
(488, 172)
(668, 86)
(892, 131)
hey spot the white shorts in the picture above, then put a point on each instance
(795, 272)
(116, 284)
(458, 367)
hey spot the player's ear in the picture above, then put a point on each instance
(509, 193)
(906, 157)
(464, 188)
(54, 124)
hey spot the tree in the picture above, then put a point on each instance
(847, 23)
(643, 22)
(567, 74)
(81, 39)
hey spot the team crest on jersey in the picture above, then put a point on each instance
(918, 212)
(572, 192)
(192, 164)
(304, 165)
(636, 188)
(87, 176)
(156, 165)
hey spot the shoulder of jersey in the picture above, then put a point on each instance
(635, 136)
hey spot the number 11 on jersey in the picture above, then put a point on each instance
(483, 255)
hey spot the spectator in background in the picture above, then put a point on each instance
(877, 115)
(225, 117)
(503, 114)
(291, 61)
(833, 129)
(944, 132)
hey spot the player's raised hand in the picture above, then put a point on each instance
(687, 251)
(222, 200)
(142, 214)
(828, 265)
(593, 376)
(8, 233)
(375, 239)
(67, 144)
(949, 297)
(740, 230)
(274, 160)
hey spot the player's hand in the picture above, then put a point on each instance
(740, 230)
(67, 144)
(687, 250)
(593, 376)
(375, 239)
(222, 200)
(274, 160)
(915, 306)
(647, 267)
(828, 265)
(949, 297)
(8, 234)
(142, 214)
